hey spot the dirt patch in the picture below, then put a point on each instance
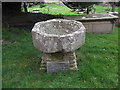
(117, 23)
(7, 41)
(1, 41)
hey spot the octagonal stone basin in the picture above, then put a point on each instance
(58, 35)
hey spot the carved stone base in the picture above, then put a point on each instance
(59, 56)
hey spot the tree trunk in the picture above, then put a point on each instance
(87, 10)
(113, 7)
(25, 7)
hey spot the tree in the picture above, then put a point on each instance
(114, 4)
(80, 5)
(24, 5)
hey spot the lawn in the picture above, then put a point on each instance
(63, 10)
(54, 10)
(97, 59)
(100, 9)
(97, 62)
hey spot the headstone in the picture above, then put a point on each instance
(36, 10)
(55, 66)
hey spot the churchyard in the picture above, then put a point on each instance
(97, 59)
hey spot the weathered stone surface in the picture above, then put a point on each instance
(58, 39)
(59, 57)
(104, 26)
(58, 35)
(95, 23)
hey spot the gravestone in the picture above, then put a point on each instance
(95, 23)
(36, 10)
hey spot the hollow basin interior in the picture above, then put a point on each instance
(59, 27)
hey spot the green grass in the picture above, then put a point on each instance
(97, 63)
(63, 10)
(97, 59)
(54, 10)
(100, 9)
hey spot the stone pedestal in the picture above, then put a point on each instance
(59, 57)
(58, 39)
